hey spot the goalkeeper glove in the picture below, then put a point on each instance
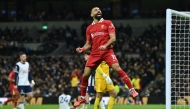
(32, 83)
(107, 78)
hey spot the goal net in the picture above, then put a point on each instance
(177, 60)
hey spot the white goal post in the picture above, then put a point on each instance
(177, 59)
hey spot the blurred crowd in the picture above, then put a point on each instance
(70, 14)
(53, 74)
(12, 42)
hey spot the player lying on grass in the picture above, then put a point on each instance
(65, 100)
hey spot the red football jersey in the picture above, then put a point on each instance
(98, 33)
(12, 76)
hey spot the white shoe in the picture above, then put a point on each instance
(20, 106)
(107, 78)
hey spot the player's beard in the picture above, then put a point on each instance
(23, 61)
(98, 17)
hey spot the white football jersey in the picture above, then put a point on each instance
(23, 72)
(64, 101)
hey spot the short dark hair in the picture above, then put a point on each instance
(21, 53)
(66, 91)
(93, 8)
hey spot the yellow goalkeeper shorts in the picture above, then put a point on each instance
(102, 86)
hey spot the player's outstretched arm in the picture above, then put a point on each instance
(107, 78)
(87, 46)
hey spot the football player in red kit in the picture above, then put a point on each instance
(100, 36)
(14, 92)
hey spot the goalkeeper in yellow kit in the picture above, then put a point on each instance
(102, 84)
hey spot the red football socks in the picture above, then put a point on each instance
(15, 103)
(83, 86)
(125, 78)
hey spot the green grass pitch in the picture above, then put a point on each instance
(91, 107)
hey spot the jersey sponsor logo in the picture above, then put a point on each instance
(25, 71)
(96, 34)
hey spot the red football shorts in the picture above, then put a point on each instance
(13, 91)
(96, 58)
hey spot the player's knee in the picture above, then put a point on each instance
(21, 97)
(30, 96)
(87, 72)
(85, 76)
(114, 95)
(116, 67)
(99, 95)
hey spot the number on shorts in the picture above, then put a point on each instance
(114, 57)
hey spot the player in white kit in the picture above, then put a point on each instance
(23, 80)
(65, 101)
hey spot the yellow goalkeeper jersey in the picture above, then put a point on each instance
(105, 69)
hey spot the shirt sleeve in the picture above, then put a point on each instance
(88, 36)
(111, 28)
(16, 70)
(69, 98)
(30, 77)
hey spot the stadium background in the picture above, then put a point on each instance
(49, 31)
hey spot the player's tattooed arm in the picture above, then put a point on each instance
(87, 46)
(110, 41)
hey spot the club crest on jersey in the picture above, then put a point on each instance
(102, 26)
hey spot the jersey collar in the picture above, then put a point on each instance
(98, 22)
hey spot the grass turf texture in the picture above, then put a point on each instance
(91, 107)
